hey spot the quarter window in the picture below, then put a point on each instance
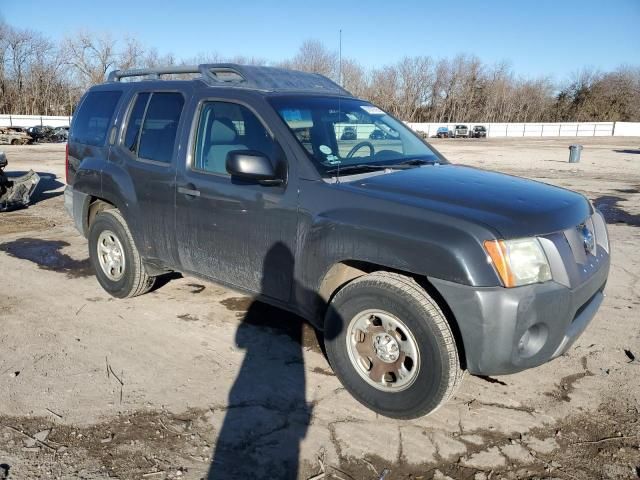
(224, 127)
(92, 121)
(160, 126)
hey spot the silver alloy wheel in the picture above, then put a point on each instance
(383, 350)
(111, 255)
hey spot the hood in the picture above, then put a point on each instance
(514, 207)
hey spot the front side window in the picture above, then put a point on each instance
(338, 132)
(91, 122)
(160, 127)
(224, 127)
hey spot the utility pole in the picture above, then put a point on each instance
(340, 59)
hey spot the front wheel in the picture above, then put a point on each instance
(115, 258)
(391, 346)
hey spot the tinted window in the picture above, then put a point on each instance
(160, 127)
(135, 121)
(91, 122)
(224, 127)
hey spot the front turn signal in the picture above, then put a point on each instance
(498, 254)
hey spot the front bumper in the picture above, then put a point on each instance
(506, 330)
(494, 321)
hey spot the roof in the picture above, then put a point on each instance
(269, 79)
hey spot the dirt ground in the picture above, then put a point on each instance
(92, 387)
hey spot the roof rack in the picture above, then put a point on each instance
(153, 73)
(247, 76)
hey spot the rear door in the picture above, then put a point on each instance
(146, 150)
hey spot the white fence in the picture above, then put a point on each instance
(33, 120)
(565, 129)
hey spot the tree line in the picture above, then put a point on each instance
(42, 77)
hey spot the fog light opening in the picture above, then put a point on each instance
(532, 340)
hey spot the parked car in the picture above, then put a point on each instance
(60, 134)
(478, 131)
(14, 136)
(40, 133)
(410, 279)
(461, 131)
(377, 134)
(442, 132)
(349, 133)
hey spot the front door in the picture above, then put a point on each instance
(237, 232)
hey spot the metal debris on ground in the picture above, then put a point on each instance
(15, 193)
(630, 355)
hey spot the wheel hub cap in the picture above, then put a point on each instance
(383, 350)
(111, 255)
(386, 347)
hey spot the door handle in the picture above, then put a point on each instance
(192, 192)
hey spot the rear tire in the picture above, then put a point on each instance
(391, 346)
(115, 258)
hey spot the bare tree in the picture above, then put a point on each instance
(415, 78)
(354, 77)
(38, 76)
(383, 89)
(132, 55)
(314, 57)
(91, 56)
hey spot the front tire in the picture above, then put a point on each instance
(391, 346)
(115, 258)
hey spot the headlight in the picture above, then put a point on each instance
(518, 262)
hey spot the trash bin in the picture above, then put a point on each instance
(574, 153)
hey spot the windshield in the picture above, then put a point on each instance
(338, 132)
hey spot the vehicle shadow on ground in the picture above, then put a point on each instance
(613, 213)
(48, 187)
(628, 150)
(267, 414)
(47, 255)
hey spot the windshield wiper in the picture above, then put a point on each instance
(418, 162)
(404, 165)
(370, 167)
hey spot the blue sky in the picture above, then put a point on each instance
(539, 38)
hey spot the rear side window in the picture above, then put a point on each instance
(92, 121)
(160, 126)
(132, 134)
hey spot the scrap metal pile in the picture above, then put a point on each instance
(15, 192)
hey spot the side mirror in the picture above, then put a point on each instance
(3, 160)
(252, 165)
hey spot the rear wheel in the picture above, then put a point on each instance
(391, 346)
(114, 256)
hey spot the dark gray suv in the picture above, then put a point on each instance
(414, 269)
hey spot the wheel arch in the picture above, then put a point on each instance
(95, 205)
(343, 272)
